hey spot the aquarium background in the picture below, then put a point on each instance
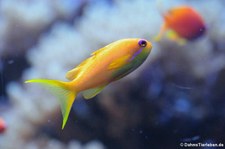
(177, 96)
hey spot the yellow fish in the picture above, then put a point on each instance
(105, 65)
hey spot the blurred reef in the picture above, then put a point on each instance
(176, 96)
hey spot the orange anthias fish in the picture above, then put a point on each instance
(2, 126)
(105, 65)
(184, 22)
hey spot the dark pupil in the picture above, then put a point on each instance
(142, 43)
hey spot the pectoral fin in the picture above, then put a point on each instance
(118, 63)
(172, 35)
(88, 94)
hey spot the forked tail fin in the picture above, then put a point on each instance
(62, 91)
(163, 28)
(161, 32)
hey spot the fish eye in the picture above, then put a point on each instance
(142, 43)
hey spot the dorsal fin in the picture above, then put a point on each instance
(72, 74)
(108, 47)
(98, 51)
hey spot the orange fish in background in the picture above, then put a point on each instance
(2, 126)
(184, 24)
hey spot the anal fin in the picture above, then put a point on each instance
(90, 93)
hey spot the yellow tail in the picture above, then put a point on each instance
(61, 90)
(160, 34)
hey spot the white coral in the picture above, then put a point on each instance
(20, 19)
